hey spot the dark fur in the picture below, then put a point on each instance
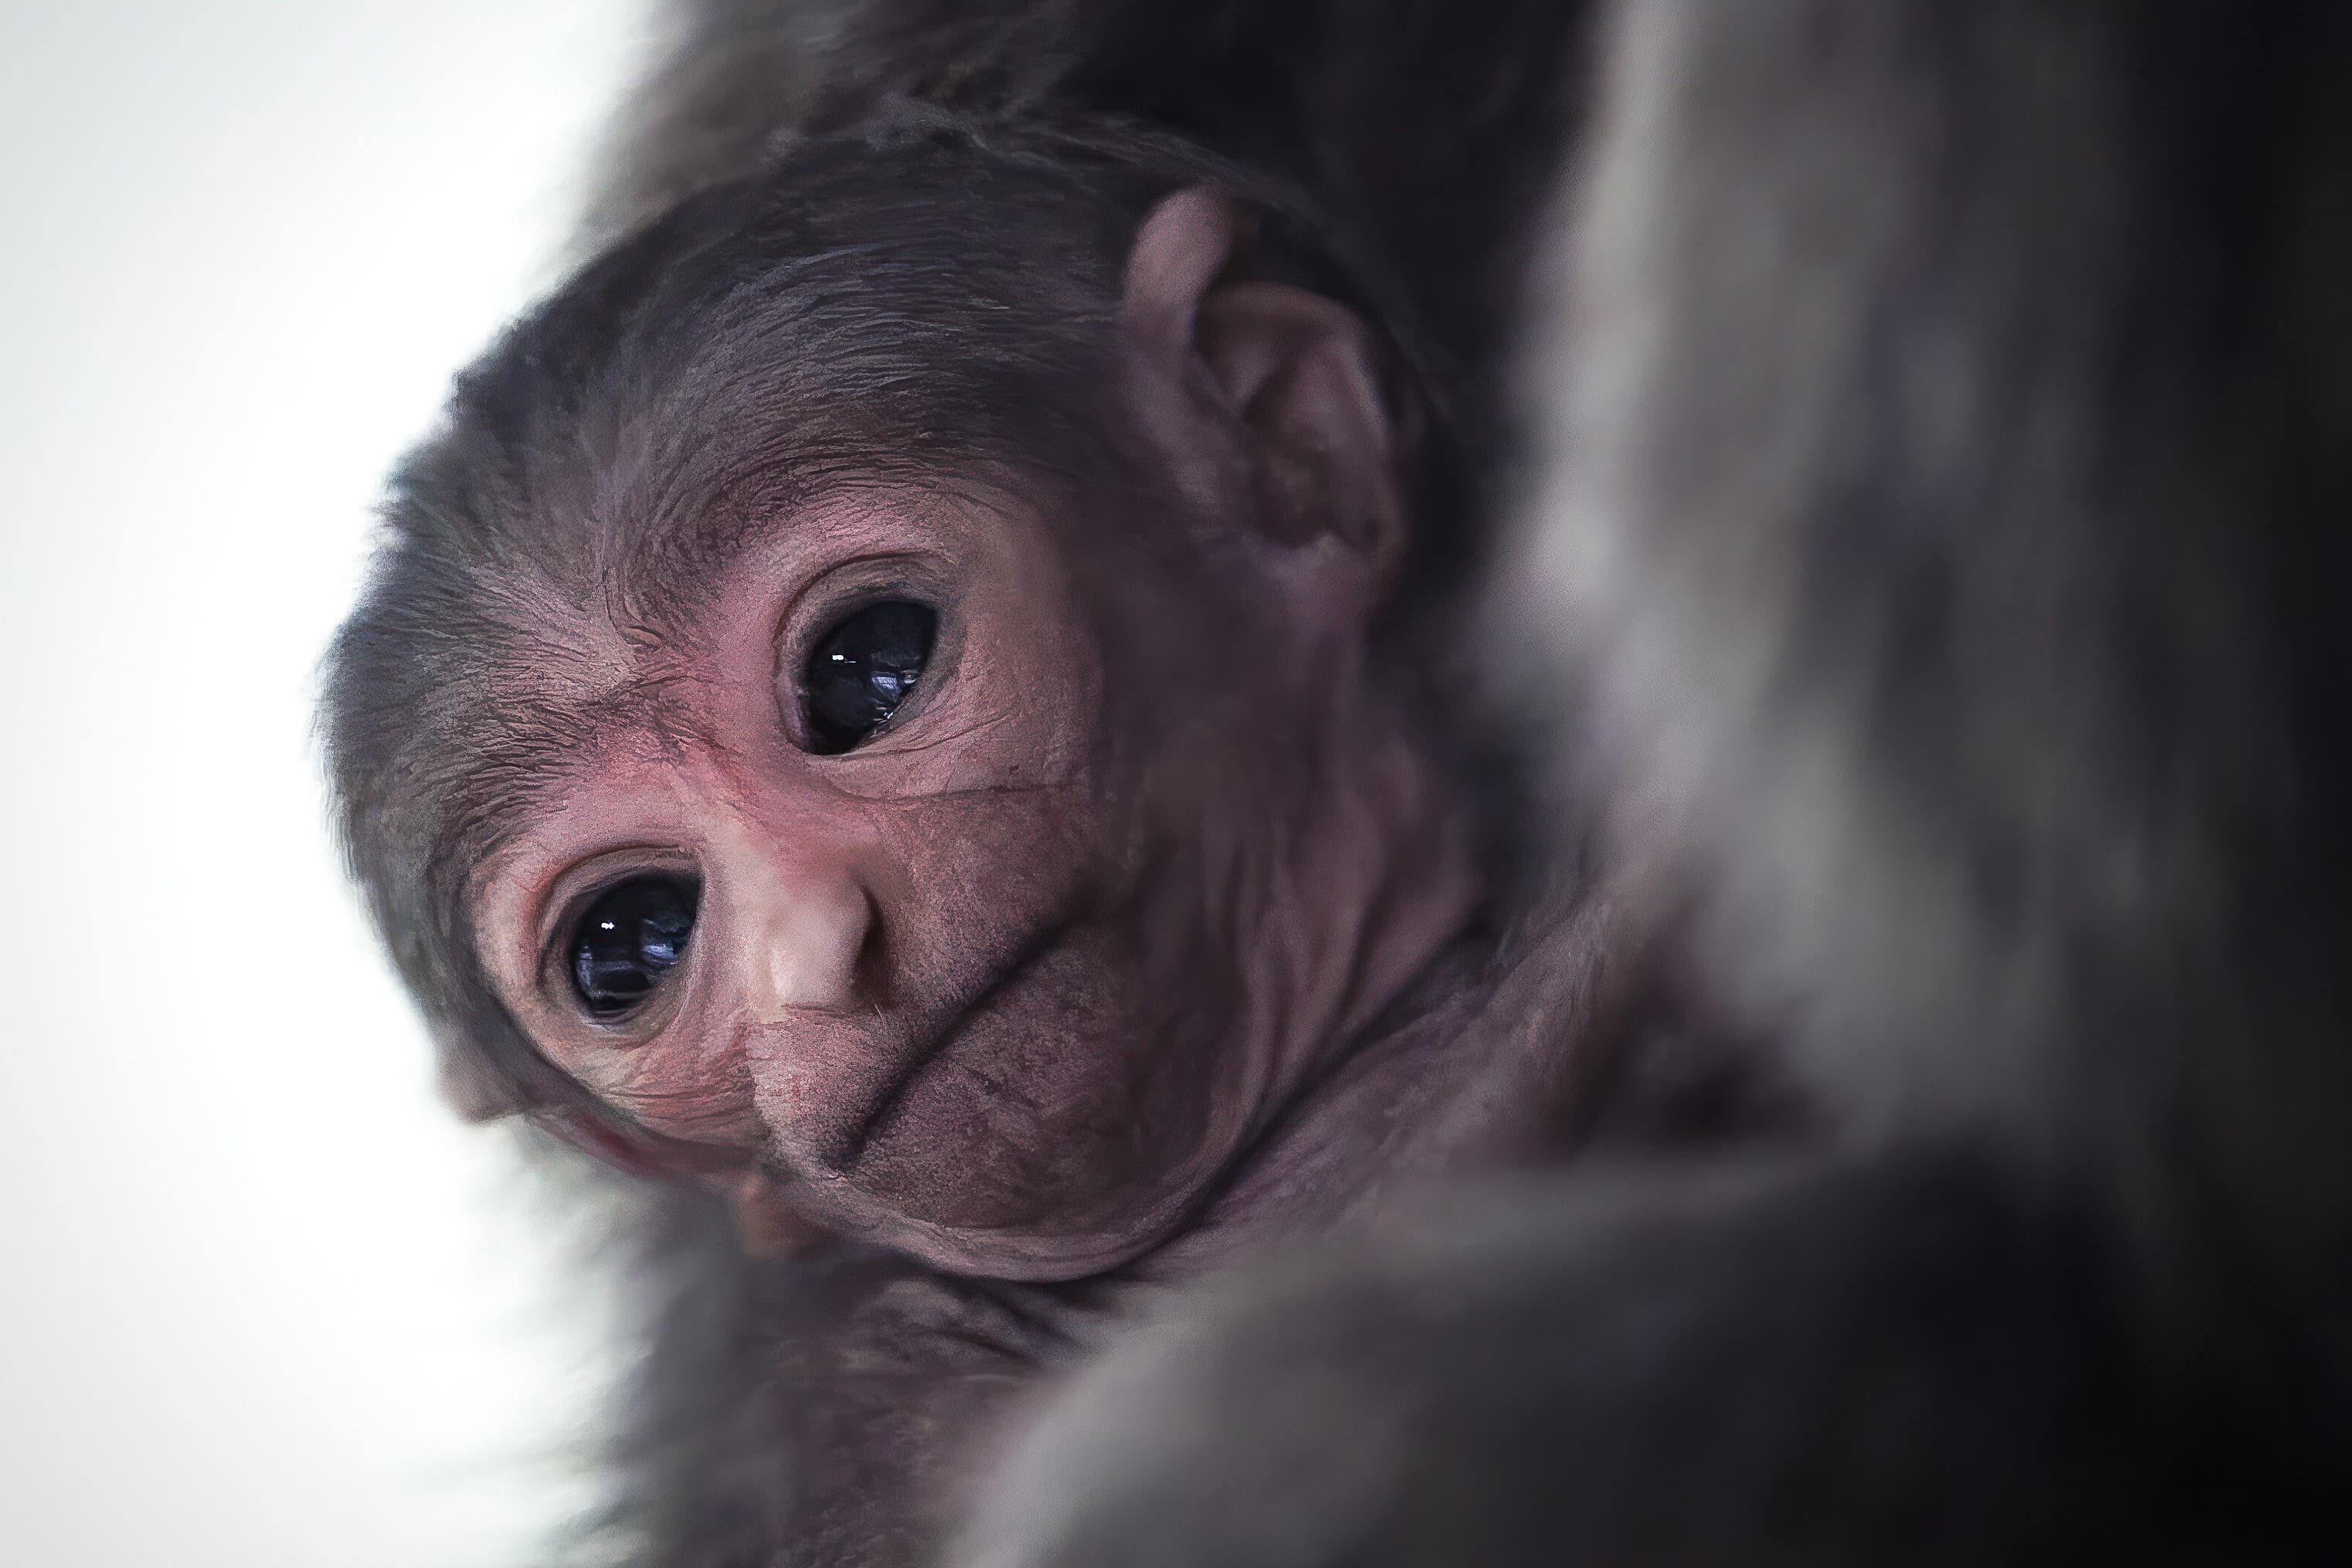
(765, 1422)
(1946, 478)
(1933, 551)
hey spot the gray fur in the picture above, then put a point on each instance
(731, 78)
(1947, 441)
(1936, 465)
(1935, 569)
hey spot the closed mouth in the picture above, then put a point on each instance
(1024, 959)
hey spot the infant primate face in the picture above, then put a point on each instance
(983, 871)
(985, 878)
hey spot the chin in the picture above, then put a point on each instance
(965, 1174)
(1039, 1254)
(1066, 1121)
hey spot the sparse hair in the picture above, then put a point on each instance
(922, 296)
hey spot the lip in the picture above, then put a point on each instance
(942, 1040)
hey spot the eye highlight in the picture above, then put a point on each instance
(862, 669)
(628, 939)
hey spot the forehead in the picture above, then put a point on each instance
(673, 642)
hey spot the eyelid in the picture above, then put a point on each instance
(848, 586)
(841, 591)
(568, 894)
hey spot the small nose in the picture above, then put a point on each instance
(801, 928)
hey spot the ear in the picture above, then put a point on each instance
(1289, 374)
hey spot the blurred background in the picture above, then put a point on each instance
(262, 1301)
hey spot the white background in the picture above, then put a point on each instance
(262, 1301)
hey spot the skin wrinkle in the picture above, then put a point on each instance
(554, 744)
(692, 1118)
(1143, 932)
(1235, 868)
(1005, 793)
(1026, 959)
(976, 727)
(548, 746)
(1025, 1073)
(1469, 1071)
(1276, 964)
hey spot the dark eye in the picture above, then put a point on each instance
(861, 671)
(628, 939)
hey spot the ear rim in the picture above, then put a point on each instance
(1241, 345)
(1186, 243)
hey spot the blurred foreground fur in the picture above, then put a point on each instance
(1929, 564)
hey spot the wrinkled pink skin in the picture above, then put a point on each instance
(1008, 987)
(1134, 944)
(1082, 950)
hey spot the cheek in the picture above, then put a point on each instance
(1006, 1070)
(689, 1084)
(1086, 1082)
(1076, 1103)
